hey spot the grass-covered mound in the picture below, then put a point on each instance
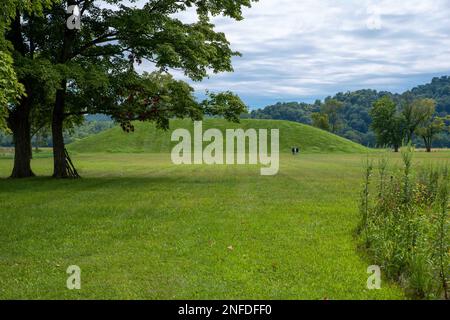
(147, 138)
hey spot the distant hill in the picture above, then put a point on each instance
(147, 138)
(98, 117)
(355, 113)
(439, 90)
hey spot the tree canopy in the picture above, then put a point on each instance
(430, 128)
(388, 124)
(68, 73)
(416, 112)
(10, 88)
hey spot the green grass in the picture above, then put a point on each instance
(148, 139)
(140, 227)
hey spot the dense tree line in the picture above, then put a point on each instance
(351, 112)
(43, 137)
(292, 111)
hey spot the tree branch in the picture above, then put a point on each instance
(102, 39)
(81, 113)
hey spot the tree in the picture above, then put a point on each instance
(158, 97)
(388, 124)
(331, 108)
(321, 121)
(415, 113)
(10, 88)
(97, 63)
(328, 118)
(430, 129)
(24, 95)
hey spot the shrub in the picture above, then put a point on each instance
(404, 223)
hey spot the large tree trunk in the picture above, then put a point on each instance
(59, 157)
(19, 118)
(19, 123)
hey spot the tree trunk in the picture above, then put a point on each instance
(19, 123)
(427, 142)
(59, 157)
(19, 118)
(396, 148)
(409, 136)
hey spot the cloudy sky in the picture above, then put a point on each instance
(300, 50)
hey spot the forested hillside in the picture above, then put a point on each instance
(354, 115)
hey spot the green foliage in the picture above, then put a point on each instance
(224, 104)
(328, 118)
(331, 108)
(151, 97)
(41, 79)
(8, 9)
(10, 88)
(429, 129)
(404, 224)
(441, 256)
(388, 123)
(291, 111)
(321, 121)
(393, 127)
(158, 97)
(98, 62)
(415, 113)
(438, 90)
(364, 203)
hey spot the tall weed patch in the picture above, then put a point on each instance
(404, 223)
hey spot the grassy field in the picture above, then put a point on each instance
(140, 227)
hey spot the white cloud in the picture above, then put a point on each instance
(311, 48)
